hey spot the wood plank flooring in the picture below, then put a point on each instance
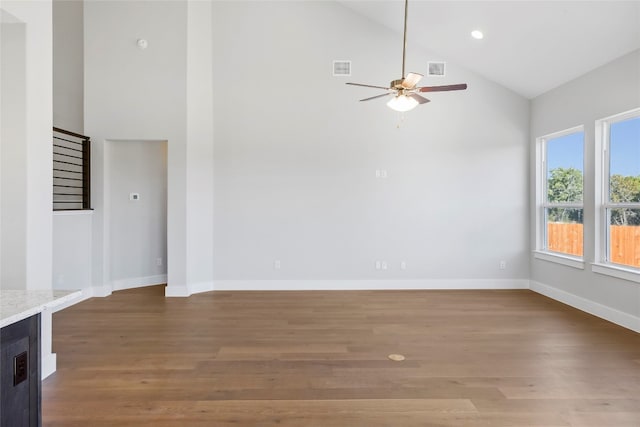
(473, 358)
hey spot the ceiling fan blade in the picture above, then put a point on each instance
(420, 99)
(375, 87)
(444, 88)
(411, 80)
(374, 97)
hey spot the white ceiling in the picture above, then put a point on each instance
(529, 47)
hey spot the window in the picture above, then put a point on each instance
(71, 171)
(559, 188)
(619, 184)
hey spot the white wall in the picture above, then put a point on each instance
(134, 94)
(68, 65)
(35, 142)
(611, 89)
(137, 228)
(296, 155)
(72, 256)
(72, 249)
(13, 153)
(199, 148)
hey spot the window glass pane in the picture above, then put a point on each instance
(564, 230)
(564, 168)
(624, 237)
(624, 161)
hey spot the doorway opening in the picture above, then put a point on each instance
(136, 213)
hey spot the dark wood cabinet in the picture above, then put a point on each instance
(20, 392)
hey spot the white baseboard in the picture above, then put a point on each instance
(197, 288)
(138, 282)
(86, 293)
(604, 312)
(122, 284)
(341, 285)
(89, 292)
(47, 365)
(116, 285)
(177, 291)
(346, 285)
(99, 291)
(188, 290)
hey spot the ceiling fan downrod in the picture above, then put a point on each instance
(404, 42)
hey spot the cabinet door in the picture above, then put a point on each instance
(20, 374)
(15, 398)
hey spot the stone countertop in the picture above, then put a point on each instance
(16, 305)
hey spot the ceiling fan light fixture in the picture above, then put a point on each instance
(402, 103)
(477, 34)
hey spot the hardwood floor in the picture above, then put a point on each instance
(473, 358)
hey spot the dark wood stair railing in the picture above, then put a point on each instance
(71, 170)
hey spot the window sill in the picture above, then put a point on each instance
(73, 212)
(617, 271)
(569, 261)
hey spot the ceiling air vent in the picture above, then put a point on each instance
(435, 69)
(341, 68)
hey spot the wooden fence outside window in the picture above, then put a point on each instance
(568, 238)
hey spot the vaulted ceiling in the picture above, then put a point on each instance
(529, 47)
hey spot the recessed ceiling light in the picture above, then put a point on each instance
(477, 34)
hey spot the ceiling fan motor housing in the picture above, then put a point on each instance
(397, 84)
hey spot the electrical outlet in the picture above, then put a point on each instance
(403, 265)
(20, 368)
(159, 262)
(378, 265)
(384, 265)
(503, 265)
(381, 173)
(134, 196)
(277, 264)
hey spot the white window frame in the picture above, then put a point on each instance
(542, 204)
(602, 264)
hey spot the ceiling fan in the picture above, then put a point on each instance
(404, 90)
